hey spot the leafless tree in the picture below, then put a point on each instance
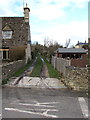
(67, 43)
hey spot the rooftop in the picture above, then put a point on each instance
(71, 50)
(80, 43)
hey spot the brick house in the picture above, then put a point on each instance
(76, 55)
(16, 39)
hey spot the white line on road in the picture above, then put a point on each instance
(84, 107)
(39, 104)
(0, 116)
(37, 113)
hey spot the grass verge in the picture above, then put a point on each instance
(53, 73)
(20, 71)
(5, 81)
(37, 69)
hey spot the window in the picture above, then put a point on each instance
(4, 54)
(7, 34)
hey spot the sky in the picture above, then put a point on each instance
(57, 20)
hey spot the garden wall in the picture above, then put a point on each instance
(12, 67)
(77, 78)
(74, 77)
(60, 64)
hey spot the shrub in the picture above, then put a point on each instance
(17, 53)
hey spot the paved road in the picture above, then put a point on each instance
(42, 97)
(43, 103)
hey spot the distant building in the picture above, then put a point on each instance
(16, 39)
(76, 55)
(80, 44)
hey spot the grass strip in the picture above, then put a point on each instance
(37, 69)
(53, 73)
(20, 71)
(5, 81)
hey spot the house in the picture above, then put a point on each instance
(76, 55)
(81, 44)
(16, 39)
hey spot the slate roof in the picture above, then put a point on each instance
(71, 50)
(82, 43)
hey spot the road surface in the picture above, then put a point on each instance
(42, 97)
(43, 103)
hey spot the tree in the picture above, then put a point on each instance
(67, 43)
(51, 46)
(85, 46)
(48, 42)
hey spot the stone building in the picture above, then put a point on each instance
(16, 38)
(76, 55)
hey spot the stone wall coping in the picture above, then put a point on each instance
(77, 68)
(12, 63)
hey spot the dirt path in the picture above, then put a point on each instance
(26, 73)
(44, 71)
(37, 82)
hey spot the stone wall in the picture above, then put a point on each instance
(12, 67)
(60, 64)
(76, 78)
(20, 31)
(21, 37)
(0, 47)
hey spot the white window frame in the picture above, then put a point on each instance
(7, 34)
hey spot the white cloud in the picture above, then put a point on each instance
(44, 10)
(39, 38)
(62, 32)
(10, 8)
(48, 12)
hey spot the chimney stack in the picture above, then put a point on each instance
(26, 14)
(78, 42)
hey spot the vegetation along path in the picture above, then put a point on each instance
(40, 74)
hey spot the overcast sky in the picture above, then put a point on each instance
(57, 19)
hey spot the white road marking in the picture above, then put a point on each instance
(0, 116)
(30, 112)
(38, 104)
(50, 103)
(84, 107)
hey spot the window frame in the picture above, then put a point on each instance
(7, 34)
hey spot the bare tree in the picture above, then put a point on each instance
(67, 43)
(48, 42)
